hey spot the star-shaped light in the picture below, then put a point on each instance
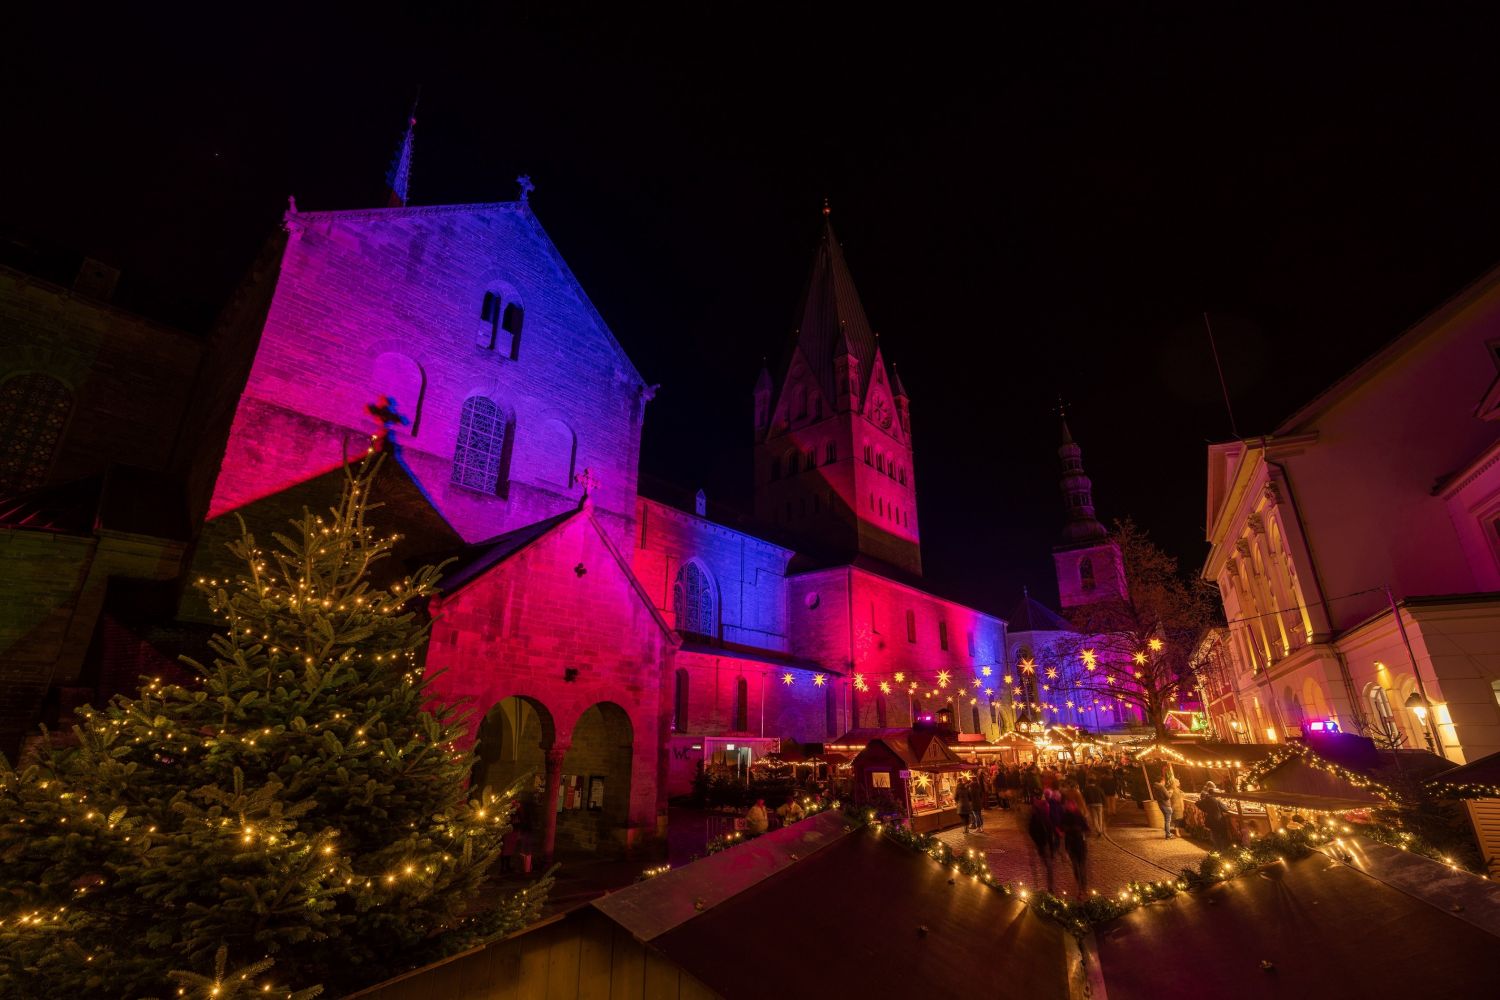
(1052, 673)
(943, 676)
(1017, 689)
(1110, 679)
(819, 680)
(1007, 678)
(988, 692)
(900, 676)
(1155, 645)
(1139, 675)
(885, 688)
(1028, 666)
(787, 678)
(1140, 659)
(1070, 704)
(860, 684)
(986, 671)
(1089, 659)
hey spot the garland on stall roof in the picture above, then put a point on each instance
(1469, 790)
(1252, 776)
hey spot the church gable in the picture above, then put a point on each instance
(880, 403)
(802, 399)
(465, 325)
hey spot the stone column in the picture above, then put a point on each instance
(551, 781)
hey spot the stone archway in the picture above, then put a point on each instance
(513, 740)
(595, 780)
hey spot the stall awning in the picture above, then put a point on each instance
(1299, 800)
(1218, 756)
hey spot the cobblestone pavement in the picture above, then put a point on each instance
(1129, 852)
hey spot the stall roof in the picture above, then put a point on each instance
(1484, 771)
(1206, 754)
(908, 932)
(1299, 800)
(1312, 928)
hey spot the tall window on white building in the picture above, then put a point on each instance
(1385, 719)
(693, 601)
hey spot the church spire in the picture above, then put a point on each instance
(1082, 527)
(398, 178)
(831, 323)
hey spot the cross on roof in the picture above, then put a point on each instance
(386, 415)
(588, 481)
(526, 186)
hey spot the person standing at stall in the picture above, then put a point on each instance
(1093, 797)
(961, 799)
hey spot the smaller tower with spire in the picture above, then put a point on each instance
(398, 178)
(1088, 563)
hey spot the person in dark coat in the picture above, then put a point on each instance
(1039, 829)
(1215, 816)
(961, 799)
(1093, 797)
(1075, 831)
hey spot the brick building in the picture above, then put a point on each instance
(607, 641)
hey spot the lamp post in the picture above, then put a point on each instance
(1418, 704)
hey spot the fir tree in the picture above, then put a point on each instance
(298, 799)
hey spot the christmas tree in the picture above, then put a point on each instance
(297, 800)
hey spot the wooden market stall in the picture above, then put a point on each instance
(1478, 784)
(913, 773)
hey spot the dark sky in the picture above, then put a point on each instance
(1032, 204)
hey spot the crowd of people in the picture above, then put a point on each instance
(1069, 804)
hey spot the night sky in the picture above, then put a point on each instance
(1032, 204)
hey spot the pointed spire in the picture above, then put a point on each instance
(1082, 527)
(398, 178)
(897, 389)
(831, 323)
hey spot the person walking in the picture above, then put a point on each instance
(1075, 831)
(978, 798)
(1093, 797)
(756, 820)
(961, 799)
(1039, 829)
(1179, 801)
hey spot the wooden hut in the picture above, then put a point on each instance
(911, 772)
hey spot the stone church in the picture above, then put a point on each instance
(606, 640)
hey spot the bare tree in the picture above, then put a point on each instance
(1138, 650)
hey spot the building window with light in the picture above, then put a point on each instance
(1385, 719)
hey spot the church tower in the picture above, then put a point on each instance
(833, 455)
(1088, 562)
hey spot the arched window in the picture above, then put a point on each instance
(481, 446)
(791, 463)
(34, 411)
(1086, 573)
(680, 703)
(868, 452)
(402, 383)
(975, 710)
(880, 461)
(742, 706)
(1385, 719)
(555, 450)
(830, 453)
(510, 325)
(810, 460)
(799, 403)
(911, 626)
(693, 601)
(489, 321)
(902, 475)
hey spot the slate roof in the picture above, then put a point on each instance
(831, 317)
(1030, 615)
(474, 560)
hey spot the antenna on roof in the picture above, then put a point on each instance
(1223, 386)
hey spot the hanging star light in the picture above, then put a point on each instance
(787, 678)
(885, 688)
(988, 692)
(1017, 689)
(900, 676)
(943, 678)
(986, 671)
(1052, 673)
(819, 680)
(1028, 666)
(1089, 659)
(1155, 645)
(860, 684)
(1007, 678)
(1140, 658)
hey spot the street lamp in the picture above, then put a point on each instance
(1418, 704)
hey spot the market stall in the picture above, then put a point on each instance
(911, 773)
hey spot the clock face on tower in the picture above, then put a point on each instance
(881, 412)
